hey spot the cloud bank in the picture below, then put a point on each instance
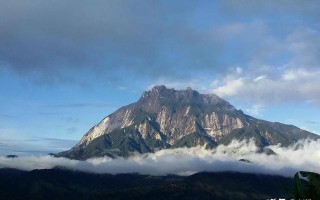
(290, 85)
(58, 41)
(304, 155)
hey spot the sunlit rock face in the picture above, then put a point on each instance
(168, 118)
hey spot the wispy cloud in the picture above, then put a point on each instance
(72, 130)
(255, 110)
(81, 105)
(312, 122)
(34, 145)
(183, 161)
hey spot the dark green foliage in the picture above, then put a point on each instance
(122, 142)
(267, 151)
(262, 133)
(195, 139)
(63, 184)
(306, 185)
(245, 134)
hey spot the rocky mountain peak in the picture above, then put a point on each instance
(159, 88)
(160, 96)
(156, 92)
(154, 100)
(163, 91)
(168, 118)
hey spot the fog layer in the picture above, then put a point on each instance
(304, 155)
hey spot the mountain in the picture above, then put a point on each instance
(68, 184)
(168, 118)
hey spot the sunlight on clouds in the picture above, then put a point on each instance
(230, 88)
(292, 85)
(259, 78)
(295, 74)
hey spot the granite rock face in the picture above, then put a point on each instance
(168, 118)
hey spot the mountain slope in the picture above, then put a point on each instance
(168, 118)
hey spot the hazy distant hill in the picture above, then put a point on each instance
(168, 118)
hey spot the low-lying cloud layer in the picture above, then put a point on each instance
(304, 155)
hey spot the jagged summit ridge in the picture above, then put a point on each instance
(159, 96)
(161, 104)
(168, 118)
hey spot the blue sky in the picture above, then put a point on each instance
(64, 65)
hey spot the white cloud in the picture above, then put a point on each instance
(295, 85)
(230, 88)
(239, 70)
(296, 74)
(255, 110)
(184, 161)
(14, 144)
(259, 78)
(275, 86)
